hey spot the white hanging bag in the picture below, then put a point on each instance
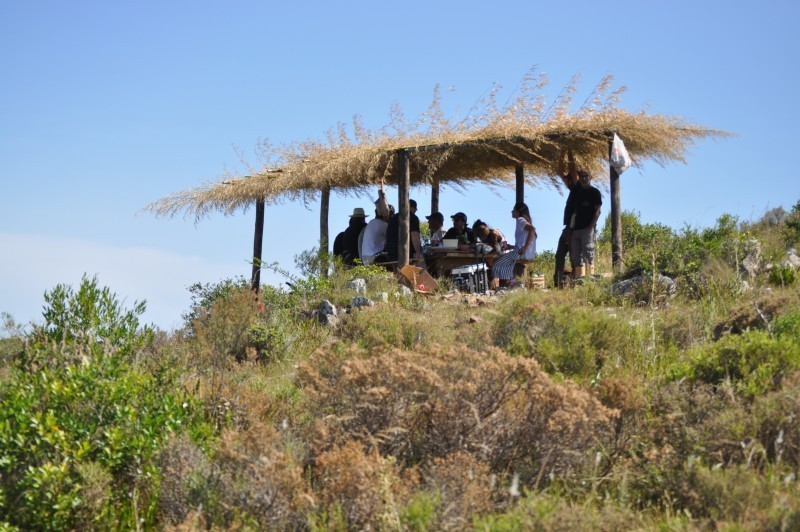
(620, 159)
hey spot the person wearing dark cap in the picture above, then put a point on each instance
(460, 228)
(393, 234)
(346, 243)
(435, 225)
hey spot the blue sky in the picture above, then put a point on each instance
(107, 106)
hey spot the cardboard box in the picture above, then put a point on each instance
(417, 279)
(536, 281)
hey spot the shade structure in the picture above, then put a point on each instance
(488, 154)
(522, 143)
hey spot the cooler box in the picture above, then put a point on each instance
(473, 278)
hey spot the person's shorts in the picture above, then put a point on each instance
(581, 250)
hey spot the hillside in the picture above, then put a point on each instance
(582, 408)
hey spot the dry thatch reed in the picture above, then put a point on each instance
(485, 146)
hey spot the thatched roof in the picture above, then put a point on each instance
(485, 147)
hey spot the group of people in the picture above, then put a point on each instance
(377, 241)
(524, 247)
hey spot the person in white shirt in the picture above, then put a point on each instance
(524, 244)
(374, 239)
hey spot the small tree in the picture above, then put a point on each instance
(91, 316)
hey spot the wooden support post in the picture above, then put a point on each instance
(434, 197)
(403, 191)
(520, 170)
(324, 205)
(258, 240)
(616, 217)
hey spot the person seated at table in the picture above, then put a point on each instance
(374, 239)
(524, 246)
(345, 245)
(460, 228)
(489, 236)
(435, 225)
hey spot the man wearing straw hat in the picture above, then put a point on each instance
(346, 243)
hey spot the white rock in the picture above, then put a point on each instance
(360, 301)
(359, 286)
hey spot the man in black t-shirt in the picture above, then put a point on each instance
(569, 175)
(586, 206)
(460, 228)
(393, 235)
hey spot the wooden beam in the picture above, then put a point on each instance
(403, 192)
(324, 206)
(520, 171)
(258, 240)
(434, 197)
(616, 217)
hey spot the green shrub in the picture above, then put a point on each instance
(635, 234)
(85, 319)
(78, 423)
(96, 413)
(782, 275)
(646, 245)
(791, 226)
(205, 295)
(546, 511)
(565, 339)
(421, 511)
(390, 325)
(267, 340)
(682, 255)
(737, 497)
(222, 332)
(788, 325)
(753, 361)
(768, 232)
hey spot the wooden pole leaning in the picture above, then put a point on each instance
(258, 240)
(616, 216)
(403, 191)
(520, 172)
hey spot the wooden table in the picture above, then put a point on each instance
(441, 261)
